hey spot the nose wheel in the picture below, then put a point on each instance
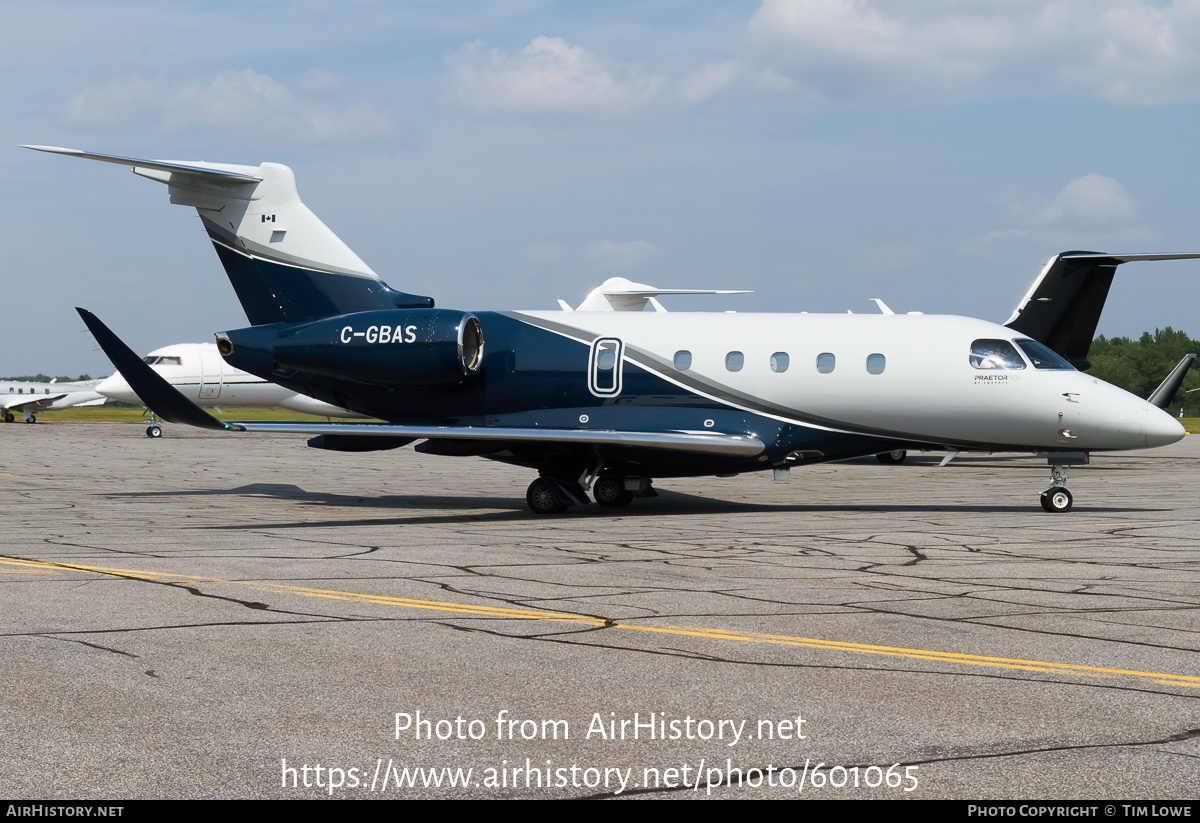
(1057, 500)
(1055, 497)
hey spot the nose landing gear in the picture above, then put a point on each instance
(1057, 500)
(1055, 497)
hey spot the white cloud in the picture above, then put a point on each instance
(621, 255)
(708, 82)
(233, 99)
(1091, 200)
(548, 75)
(1139, 52)
(1092, 211)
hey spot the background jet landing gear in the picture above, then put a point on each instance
(894, 456)
(9, 417)
(29, 418)
(154, 430)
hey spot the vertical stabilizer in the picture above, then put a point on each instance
(284, 263)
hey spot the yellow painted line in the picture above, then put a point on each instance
(27, 477)
(733, 635)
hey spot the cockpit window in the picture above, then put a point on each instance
(1042, 357)
(995, 354)
(163, 360)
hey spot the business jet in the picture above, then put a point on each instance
(200, 374)
(604, 398)
(30, 399)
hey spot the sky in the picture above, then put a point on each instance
(502, 155)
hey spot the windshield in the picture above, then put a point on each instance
(1042, 357)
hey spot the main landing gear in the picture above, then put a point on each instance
(544, 497)
(611, 492)
(892, 457)
(548, 495)
(9, 417)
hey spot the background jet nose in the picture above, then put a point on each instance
(116, 388)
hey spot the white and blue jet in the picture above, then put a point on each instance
(607, 396)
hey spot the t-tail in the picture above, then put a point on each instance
(286, 266)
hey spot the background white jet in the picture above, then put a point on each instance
(28, 399)
(202, 375)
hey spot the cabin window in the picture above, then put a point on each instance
(995, 354)
(780, 361)
(1041, 356)
(683, 360)
(876, 363)
(825, 362)
(735, 360)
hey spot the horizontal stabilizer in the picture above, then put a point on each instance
(159, 396)
(215, 171)
(1166, 391)
(620, 294)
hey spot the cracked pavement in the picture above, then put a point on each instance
(181, 615)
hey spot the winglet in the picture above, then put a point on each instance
(1166, 390)
(159, 396)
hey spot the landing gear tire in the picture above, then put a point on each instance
(610, 491)
(154, 431)
(31, 419)
(1057, 500)
(543, 497)
(892, 457)
(8, 417)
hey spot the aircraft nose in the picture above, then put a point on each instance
(1161, 428)
(116, 388)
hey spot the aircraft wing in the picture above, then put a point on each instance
(686, 441)
(168, 403)
(21, 401)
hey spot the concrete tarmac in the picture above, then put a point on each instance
(215, 615)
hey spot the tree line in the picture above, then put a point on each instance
(1138, 366)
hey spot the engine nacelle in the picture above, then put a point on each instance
(391, 347)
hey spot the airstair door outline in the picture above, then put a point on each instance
(606, 367)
